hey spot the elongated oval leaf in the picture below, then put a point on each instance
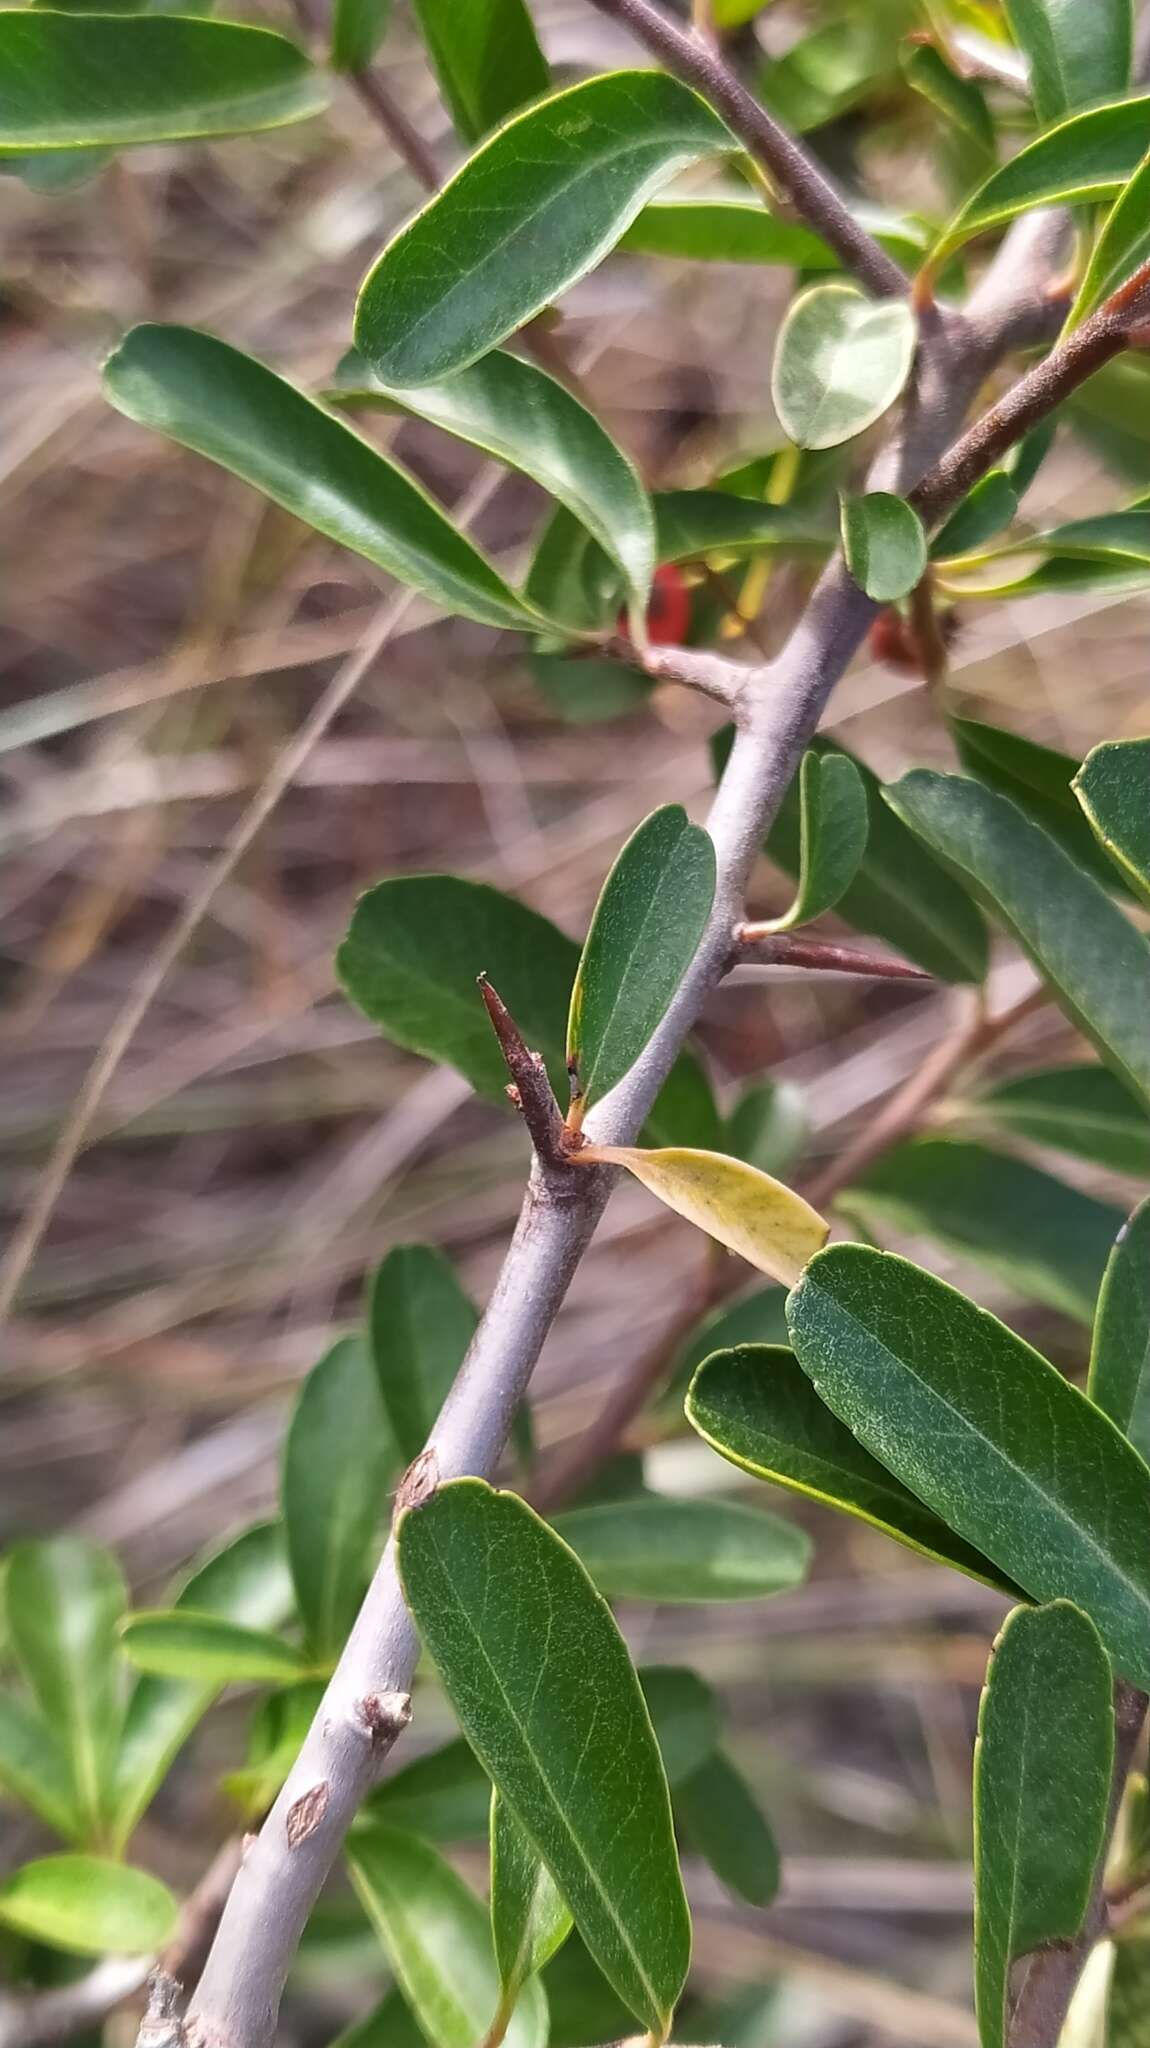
(420, 1322)
(719, 1815)
(1122, 247)
(985, 510)
(1113, 787)
(1042, 1483)
(1081, 1109)
(685, 1716)
(546, 1694)
(1075, 55)
(357, 30)
(884, 543)
(444, 1796)
(89, 1905)
(832, 835)
(487, 59)
(1041, 1791)
(758, 1318)
(226, 405)
(1039, 780)
(961, 101)
(690, 525)
(1094, 962)
(176, 1642)
(756, 1407)
(34, 1768)
(1089, 156)
(682, 1551)
(529, 1919)
(64, 1600)
(840, 361)
(89, 81)
(768, 1125)
(438, 1940)
(732, 228)
(1119, 1380)
(275, 1737)
(338, 1455)
(529, 213)
(646, 930)
(752, 1214)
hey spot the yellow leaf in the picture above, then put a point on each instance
(765, 1222)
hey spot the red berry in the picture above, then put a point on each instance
(669, 609)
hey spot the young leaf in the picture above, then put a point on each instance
(546, 1694)
(529, 213)
(832, 835)
(1075, 55)
(487, 59)
(1089, 156)
(644, 934)
(1043, 1483)
(357, 30)
(420, 1322)
(1083, 1110)
(226, 405)
(685, 1716)
(88, 81)
(1038, 779)
(761, 1219)
(721, 1820)
(438, 1940)
(337, 1459)
(686, 1551)
(756, 1407)
(1122, 247)
(529, 1920)
(445, 1796)
(985, 510)
(1119, 1380)
(840, 361)
(34, 1769)
(1096, 965)
(64, 1600)
(177, 1642)
(884, 543)
(1042, 1767)
(88, 1905)
(1113, 787)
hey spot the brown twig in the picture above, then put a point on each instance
(530, 1089)
(757, 945)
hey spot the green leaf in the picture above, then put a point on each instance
(1049, 1241)
(65, 1598)
(685, 1111)
(420, 1322)
(34, 1768)
(547, 1696)
(88, 1905)
(1089, 156)
(1038, 779)
(487, 59)
(1043, 1483)
(585, 691)
(584, 2009)
(983, 512)
(1096, 965)
(758, 1318)
(732, 228)
(1122, 246)
(685, 1551)
(529, 1920)
(718, 1813)
(275, 1737)
(337, 1460)
(438, 1940)
(884, 543)
(445, 1796)
(1119, 1380)
(684, 1714)
(690, 524)
(768, 1125)
(570, 578)
(1128, 2017)
(85, 81)
(961, 101)
(761, 1219)
(1113, 787)
(833, 822)
(391, 2025)
(357, 30)
(529, 213)
(1075, 55)
(1041, 1790)
(645, 932)
(209, 397)
(176, 1642)
(1080, 1109)
(756, 1407)
(840, 361)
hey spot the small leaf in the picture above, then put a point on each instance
(64, 1599)
(644, 934)
(546, 1694)
(1119, 1380)
(685, 1716)
(85, 81)
(445, 1796)
(1113, 787)
(690, 524)
(530, 212)
(840, 361)
(718, 1814)
(756, 1407)
(983, 512)
(685, 1551)
(438, 1940)
(884, 543)
(1041, 1790)
(1038, 779)
(1094, 962)
(1043, 1483)
(961, 101)
(357, 30)
(1123, 245)
(337, 1459)
(761, 1219)
(420, 1322)
(1087, 157)
(832, 835)
(177, 1642)
(1074, 56)
(768, 1125)
(486, 57)
(88, 1905)
(529, 1920)
(34, 1769)
(1083, 1110)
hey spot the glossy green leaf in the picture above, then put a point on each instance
(1119, 1380)
(768, 1125)
(1113, 788)
(444, 1796)
(420, 1322)
(686, 1551)
(528, 214)
(529, 1920)
(983, 512)
(722, 1821)
(884, 543)
(1043, 1484)
(1023, 462)
(486, 57)
(357, 30)
(1094, 962)
(176, 1642)
(1123, 245)
(1075, 54)
(88, 1905)
(1083, 1110)
(733, 227)
(1036, 778)
(64, 1599)
(1089, 156)
(570, 578)
(337, 1460)
(684, 1714)
(1048, 1240)
(584, 2010)
(85, 81)
(438, 1940)
(756, 1407)
(833, 822)
(226, 405)
(645, 932)
(34, 1768)
(690, 524)
(961, 101)
(547, 1696)
(1041, 1790)
(840, 361)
